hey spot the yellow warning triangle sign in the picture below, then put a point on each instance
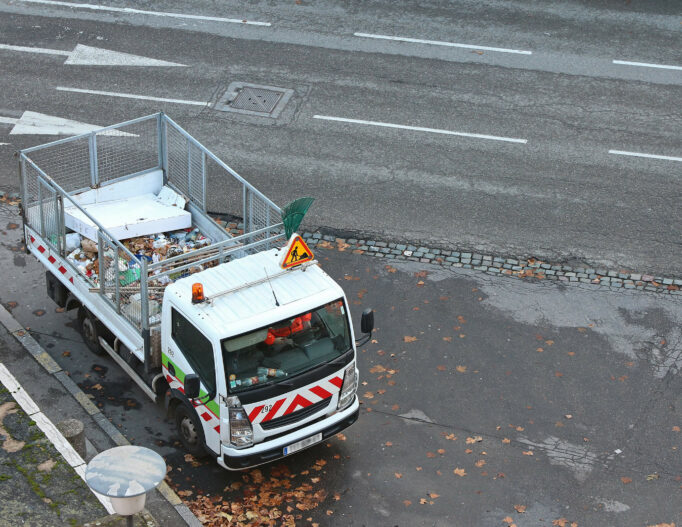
(296, 252)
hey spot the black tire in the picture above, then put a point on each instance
(91, 330)
(190, 430)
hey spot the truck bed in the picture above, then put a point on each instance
(119, 213)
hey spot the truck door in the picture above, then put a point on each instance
(190, 351)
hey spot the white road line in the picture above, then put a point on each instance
(639, 154)
(8, 120)
(648, 65)
(131, 96)
(442, 43)
(35, 50)
(142, 12)
(421, 129)
(49, 429)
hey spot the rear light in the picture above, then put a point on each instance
(350, 385)
(240, 430)
(197, 293)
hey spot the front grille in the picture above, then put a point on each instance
(296, 416)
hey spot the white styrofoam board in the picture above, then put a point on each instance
(128, 218)
(150, 183)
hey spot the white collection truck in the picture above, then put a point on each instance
(246, 339)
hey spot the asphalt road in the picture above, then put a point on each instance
(542, 76)
(483, 398)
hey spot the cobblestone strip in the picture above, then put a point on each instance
(493, 265)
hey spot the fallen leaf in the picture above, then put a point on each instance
(651, 477)
(341, 437)
(398, 475)
(451, 437)
(368, 395)
(441, 368)
(460, 472)
(433, 495)
(676, 428)
(626, 480)
(377, 369)
(468, 451)
(539, 350)
(407, 503)
(430, 455)
(558, 374)
(461, 369)
(520, 508)
(527, 452)
(388, 443)
(447, 339)
(472, 440)
(66, 354)
(480, 463)
(441, 451)
(409, 339)
(506, 441)
(507, 519)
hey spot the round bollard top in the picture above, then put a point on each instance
(125, 471)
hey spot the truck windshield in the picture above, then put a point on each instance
(286, 348)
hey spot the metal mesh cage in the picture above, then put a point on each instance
(120, 279)
(127, 150)
(66, 162)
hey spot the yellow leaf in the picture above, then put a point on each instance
(451, 437)
(407, 503)
(460, 472)
(527, 452)
(480, 463)
(461, 369)
(520, 508)
(398, 475)
(409, 339)
(506, 441)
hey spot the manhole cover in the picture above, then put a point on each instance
(254, 99)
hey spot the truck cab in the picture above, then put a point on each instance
(260, 361)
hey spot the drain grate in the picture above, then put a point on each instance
(254, 99)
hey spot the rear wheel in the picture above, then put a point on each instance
(190, 431)
(90, 331)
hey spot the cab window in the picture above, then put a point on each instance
(195, 347)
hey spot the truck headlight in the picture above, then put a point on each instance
(241, 431)
(350, 385)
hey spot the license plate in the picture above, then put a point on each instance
(303, 443)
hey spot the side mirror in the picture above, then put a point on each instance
(367, 321)
(192, 386)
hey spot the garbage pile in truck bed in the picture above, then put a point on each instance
(83, 253)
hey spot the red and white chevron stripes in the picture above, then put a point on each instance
(306, 396)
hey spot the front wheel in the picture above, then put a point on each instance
(190, 431)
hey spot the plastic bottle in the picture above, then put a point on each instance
(271, 372)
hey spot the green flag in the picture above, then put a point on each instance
(292, 214)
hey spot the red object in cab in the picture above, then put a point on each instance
(296, 326)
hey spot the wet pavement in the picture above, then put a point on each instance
(485, 401)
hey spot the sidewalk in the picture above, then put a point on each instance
(38, 484)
